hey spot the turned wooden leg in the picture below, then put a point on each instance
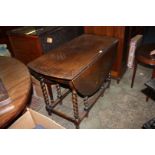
(49, 87)
(49, 109)
(44, 91)
(77, 126)
(45, 95)
(134, 73)
(58, 92)
(75, 105)
(86, 105)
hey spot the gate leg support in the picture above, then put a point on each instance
(75, 108)
(45, 94)
(86, 104)
(58, 92)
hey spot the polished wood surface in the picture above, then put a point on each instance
(143, 57)
(30, 42)
(16, 79)
(112, 31)
(25, 48)
(76, 57)
(83, 65)
(124, 34)
(71, 58)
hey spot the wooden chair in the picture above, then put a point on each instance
(143, 56)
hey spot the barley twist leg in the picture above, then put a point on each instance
(86, 105)
(75, 107)
(45, 94)
(58, 92)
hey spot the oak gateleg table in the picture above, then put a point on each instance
(83, 65)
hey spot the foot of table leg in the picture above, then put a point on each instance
(77, 126)
(49, 109)
(118, 80)
(49, 113)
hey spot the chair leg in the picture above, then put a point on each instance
(134, 73)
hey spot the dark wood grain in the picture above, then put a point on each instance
(25, 48)
(83, 65)
(16, 79)
(30, 42)
(119, 33)
(77, 56)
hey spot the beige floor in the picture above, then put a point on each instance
(121, 107)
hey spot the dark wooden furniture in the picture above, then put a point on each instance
(83, 65)
(124, 34)
(16, 79)
(30, 42)
(143, 56)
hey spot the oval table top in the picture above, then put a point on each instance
(73, 57)
(16, 79)
(83, 62)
